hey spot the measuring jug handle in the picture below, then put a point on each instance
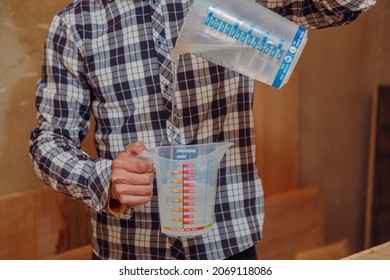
(144, 155)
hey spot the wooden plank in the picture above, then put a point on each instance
(377, 226)
(370, 175)
(80, 253)
(379, 252)
(40, 223)
(294, 221)
(277, 135)
(332, 251)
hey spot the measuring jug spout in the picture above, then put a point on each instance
(222, 148)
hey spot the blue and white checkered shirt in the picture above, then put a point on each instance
(110, 59)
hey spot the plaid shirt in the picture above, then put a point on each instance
(111, 59)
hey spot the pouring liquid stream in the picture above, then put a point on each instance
(175, 61)
(178, 51)
(175, 54)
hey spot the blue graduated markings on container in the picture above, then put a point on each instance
(261, 44)
(289, 57)
(243, 36)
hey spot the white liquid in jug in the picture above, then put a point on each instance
(186, 210)
(236, 57)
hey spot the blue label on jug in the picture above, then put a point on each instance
(233, 28)
(210, 15)
(285, 66)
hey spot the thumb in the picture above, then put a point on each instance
(135, 148)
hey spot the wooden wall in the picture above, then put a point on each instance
(377, 225)
(40, 223)
(340, 68)
(315, 133)
(276, 114)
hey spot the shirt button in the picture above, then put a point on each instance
(154, 2)
(166, 86)
(159, 42)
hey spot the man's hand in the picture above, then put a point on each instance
(132, 178)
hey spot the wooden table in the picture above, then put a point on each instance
(380, 252)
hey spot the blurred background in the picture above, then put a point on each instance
(313, 134)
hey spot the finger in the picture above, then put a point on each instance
(133, 190)
(134, 201)
(127, 162)
(124, 177)
(140, 165)
(135, 195)
(135, 148)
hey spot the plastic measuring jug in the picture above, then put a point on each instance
(243, 36)
(186, 185)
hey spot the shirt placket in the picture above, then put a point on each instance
(165, 70)
(176, 249)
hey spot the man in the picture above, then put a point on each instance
(111, 59)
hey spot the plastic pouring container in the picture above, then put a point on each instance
(243, 36)
(186, 186)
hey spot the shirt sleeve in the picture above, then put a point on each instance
(315, 14)
(63, 105)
